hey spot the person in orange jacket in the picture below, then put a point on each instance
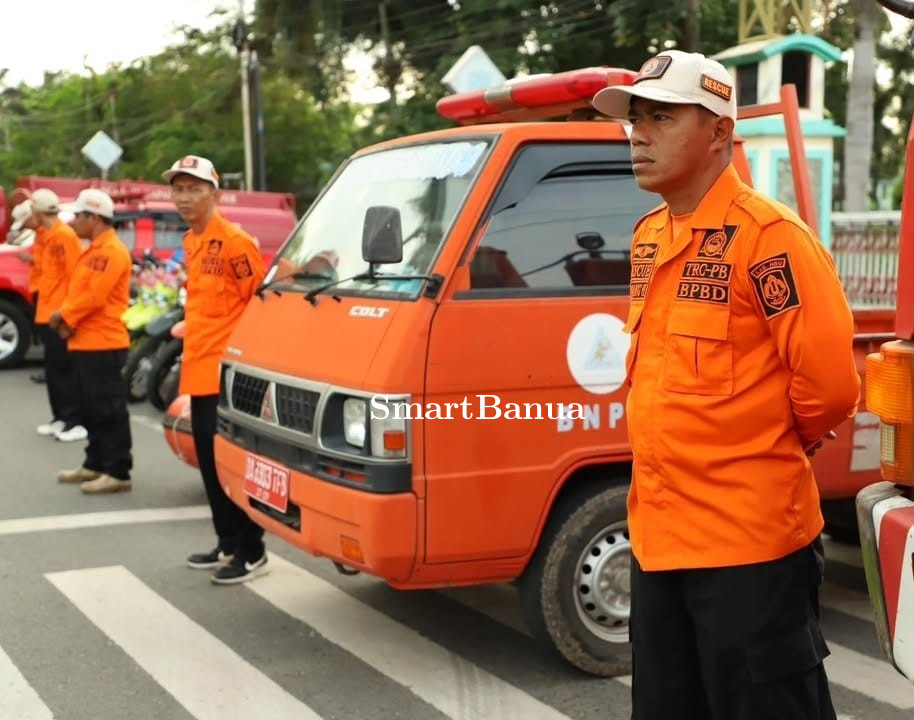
(740, 364)
(41, 201)
(90, 321)
(224, 268)
(59, 251)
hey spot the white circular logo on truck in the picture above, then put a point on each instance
(596, 353)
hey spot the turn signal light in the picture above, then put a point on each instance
(351, 549)
(889, 384)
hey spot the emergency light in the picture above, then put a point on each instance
(533, 98)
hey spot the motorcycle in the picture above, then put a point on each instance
(165, 369)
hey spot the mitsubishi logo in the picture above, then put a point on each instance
(268, 407)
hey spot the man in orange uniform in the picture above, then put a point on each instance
(740, 363)
(224, 268)
(97, 339)
(60, 250)
(41, 201)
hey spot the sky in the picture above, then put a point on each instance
(53, 35)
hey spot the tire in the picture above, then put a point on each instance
(164, 374)
(586, 539)
(15, 334)
(138, 365)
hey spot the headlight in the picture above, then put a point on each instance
(354, 417)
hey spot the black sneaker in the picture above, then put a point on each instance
(239, 571)
(205, 561)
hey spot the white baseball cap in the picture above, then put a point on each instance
(21, 213)
(45, 201)
(196, 166)
(674, 77)
(91, 200)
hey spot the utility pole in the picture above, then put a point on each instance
(388, 57)
(259, 145)
(244, 51)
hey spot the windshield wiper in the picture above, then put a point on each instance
(311, 295)
(300, 275)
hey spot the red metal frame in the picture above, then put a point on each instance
(789, 107)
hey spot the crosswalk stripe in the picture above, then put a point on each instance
(98, 519)
(206, 676)
(868, 676)
(445, 680)
(17, 698)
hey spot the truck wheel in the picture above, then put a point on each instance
(15, 334)
(576, 593)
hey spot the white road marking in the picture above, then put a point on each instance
(201, 672)
(452, 684)
(147, 422)
(17, 698)
(99, 519)
(871, 677)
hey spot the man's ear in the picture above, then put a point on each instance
(723, 131)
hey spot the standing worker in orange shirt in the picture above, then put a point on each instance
(41, 201)
(97, 339)
(224, 268)
(60, 249)
(740, 364)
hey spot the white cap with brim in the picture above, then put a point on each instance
(195, 166)
(21, 213)
(91, 200)
(677, 78)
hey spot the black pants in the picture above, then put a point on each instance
(59, 378)
(237, 533)
(103, 410)
(735, 643)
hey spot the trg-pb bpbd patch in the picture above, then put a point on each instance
(774, 285)
(241, 267)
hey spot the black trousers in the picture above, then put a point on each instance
(63, 396)
(103, 410)
(237, 533)
(734, 643)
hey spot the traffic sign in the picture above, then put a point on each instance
(473, 71)
(102, 150)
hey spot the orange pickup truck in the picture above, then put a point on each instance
(429, 387)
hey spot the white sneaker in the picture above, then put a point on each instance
(51, 428)
(73, 434)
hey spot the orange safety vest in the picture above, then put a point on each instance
(741, 356)
(98, 296)
(224, 268)
(60, 254)
(41, 235)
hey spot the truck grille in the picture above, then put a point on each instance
(295, 408)
(247, 393)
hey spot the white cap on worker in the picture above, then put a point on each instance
(194, 165)
(45, 201)
(20, 214)
(92, 201)
(674, 77)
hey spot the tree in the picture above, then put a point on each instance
(858, 146)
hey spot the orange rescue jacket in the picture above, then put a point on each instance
(41, 235)
(98, 295)
(224, 267)
(741, 356)
(61, 251)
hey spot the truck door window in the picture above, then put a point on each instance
(561, 223)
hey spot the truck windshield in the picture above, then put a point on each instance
(426, 183)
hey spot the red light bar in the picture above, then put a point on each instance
(544, 96)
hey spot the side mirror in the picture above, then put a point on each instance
(382, 236)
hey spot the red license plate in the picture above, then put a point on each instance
(267, 482)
